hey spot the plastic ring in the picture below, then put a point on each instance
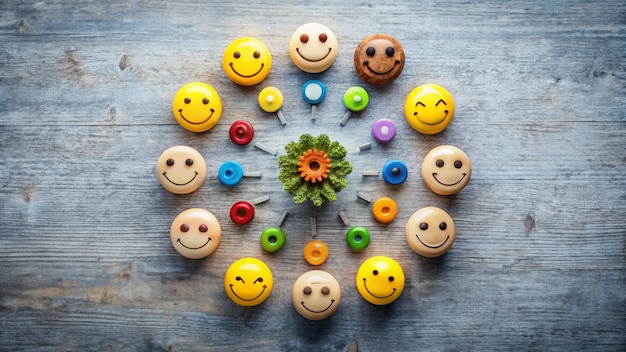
(313, 91)
(241, 132)
(242, 213)
(384, 210)
(384, 130)
(358, 238)
(230, 173)
(316, 252)
(272, 239)
(395, 172)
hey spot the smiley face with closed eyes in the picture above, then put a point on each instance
(430, 232)
(429, 109)
(195, 233)
(248, 282)
(181, 169)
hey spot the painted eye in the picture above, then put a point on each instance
(370, 51)
(307, 290)
(390, 51)
(189, 162)
(236, 54)
(423, 226)
(203, 228)
(304, 38)
(323, 37)
(256, 54)
(238, 278)
(443, 226)
(439, 163)
(458, 164)
(184, 227)
(375, 272)
(187, 100)
(325, 290)
(258, 279)
(205, 101)
(391, 278)
(170, 162)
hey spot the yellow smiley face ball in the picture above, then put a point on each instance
(197, 107)
(248, 282)
(247, 61)
(380, 280)
(429, 109)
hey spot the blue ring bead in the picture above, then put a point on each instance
(230, 173)
(311, 86)
(395, 172)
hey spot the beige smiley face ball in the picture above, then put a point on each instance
(316, 295)
(313, 47)
(181, 169)
(446, 170)
(430, 232)
(195, 233)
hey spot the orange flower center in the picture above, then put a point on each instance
(314, 165)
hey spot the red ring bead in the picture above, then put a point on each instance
(242, 213)
(241, 132)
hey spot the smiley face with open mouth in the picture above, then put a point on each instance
(197, 107)
(379, 59)
(195, 233)
(430, 232)
(181, 169)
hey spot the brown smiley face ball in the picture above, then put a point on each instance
(379, 59)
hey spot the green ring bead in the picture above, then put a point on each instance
(272, 239)
(358, 238)
(360, 94)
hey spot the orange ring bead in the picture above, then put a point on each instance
(316, 252)
(384, 210)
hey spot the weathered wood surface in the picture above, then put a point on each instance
(85, 257)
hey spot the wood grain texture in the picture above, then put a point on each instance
(86, 262)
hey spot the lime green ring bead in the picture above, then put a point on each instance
(356, 98)
(272, 239)
(358, 238)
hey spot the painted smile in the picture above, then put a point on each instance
(182, 244)
(243, 299)
(181, 184)
(434, 123)
(180, 111)
(429, 246)
(332, 301)
(368, 291)
(232, 67)
(448, 184)
(309, 60)
(367, 64)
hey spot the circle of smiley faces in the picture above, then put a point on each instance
(429, 109)
(181, 169)
(316, 295)
(446, 170)
(430, 232)
(197, 107)
(380, 280)
(247, 61)
(248, 282)
(379, 59)
(313, 47)
(195, 233)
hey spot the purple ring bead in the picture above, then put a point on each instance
(384, 130)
